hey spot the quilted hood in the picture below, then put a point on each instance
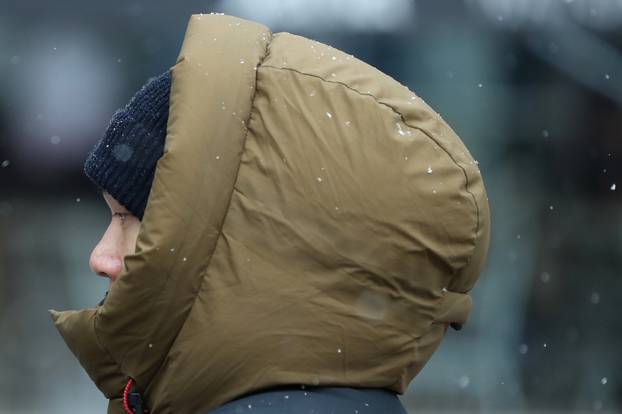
(312, 221)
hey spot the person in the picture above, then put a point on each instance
(292, 231)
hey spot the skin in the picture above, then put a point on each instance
(118, 240)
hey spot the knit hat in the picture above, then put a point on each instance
(123, 162)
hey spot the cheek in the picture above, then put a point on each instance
(130, 236)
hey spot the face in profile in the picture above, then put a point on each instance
(118, 240)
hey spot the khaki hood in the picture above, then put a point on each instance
(311, 221)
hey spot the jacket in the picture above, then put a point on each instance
(314, 400)
(311, 221)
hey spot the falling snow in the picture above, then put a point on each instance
(464, 381)
(595, 298)
(403, 131)
(122, 152)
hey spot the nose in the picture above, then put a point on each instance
(106, 259)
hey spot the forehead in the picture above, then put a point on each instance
(113, 203)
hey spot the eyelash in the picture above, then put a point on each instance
(122, 216)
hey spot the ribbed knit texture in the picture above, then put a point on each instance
(123, 162)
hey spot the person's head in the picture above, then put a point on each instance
(122, 165)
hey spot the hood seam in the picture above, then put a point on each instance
(467, 184)
(252, 100)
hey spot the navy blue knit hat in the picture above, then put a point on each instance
(123, 162)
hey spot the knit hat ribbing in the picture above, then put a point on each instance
(123, 162)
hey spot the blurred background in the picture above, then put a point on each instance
(533, 87)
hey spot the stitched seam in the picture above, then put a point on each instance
(224, 219)
(426, 133)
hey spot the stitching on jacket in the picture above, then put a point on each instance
(476, 239)
(224, 218)
(202, 274)
(250, 111)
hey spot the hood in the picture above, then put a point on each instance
(311, 221)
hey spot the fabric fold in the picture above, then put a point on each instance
(77, 329)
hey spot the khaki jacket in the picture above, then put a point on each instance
(312, 221)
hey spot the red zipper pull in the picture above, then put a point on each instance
(132, 400)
